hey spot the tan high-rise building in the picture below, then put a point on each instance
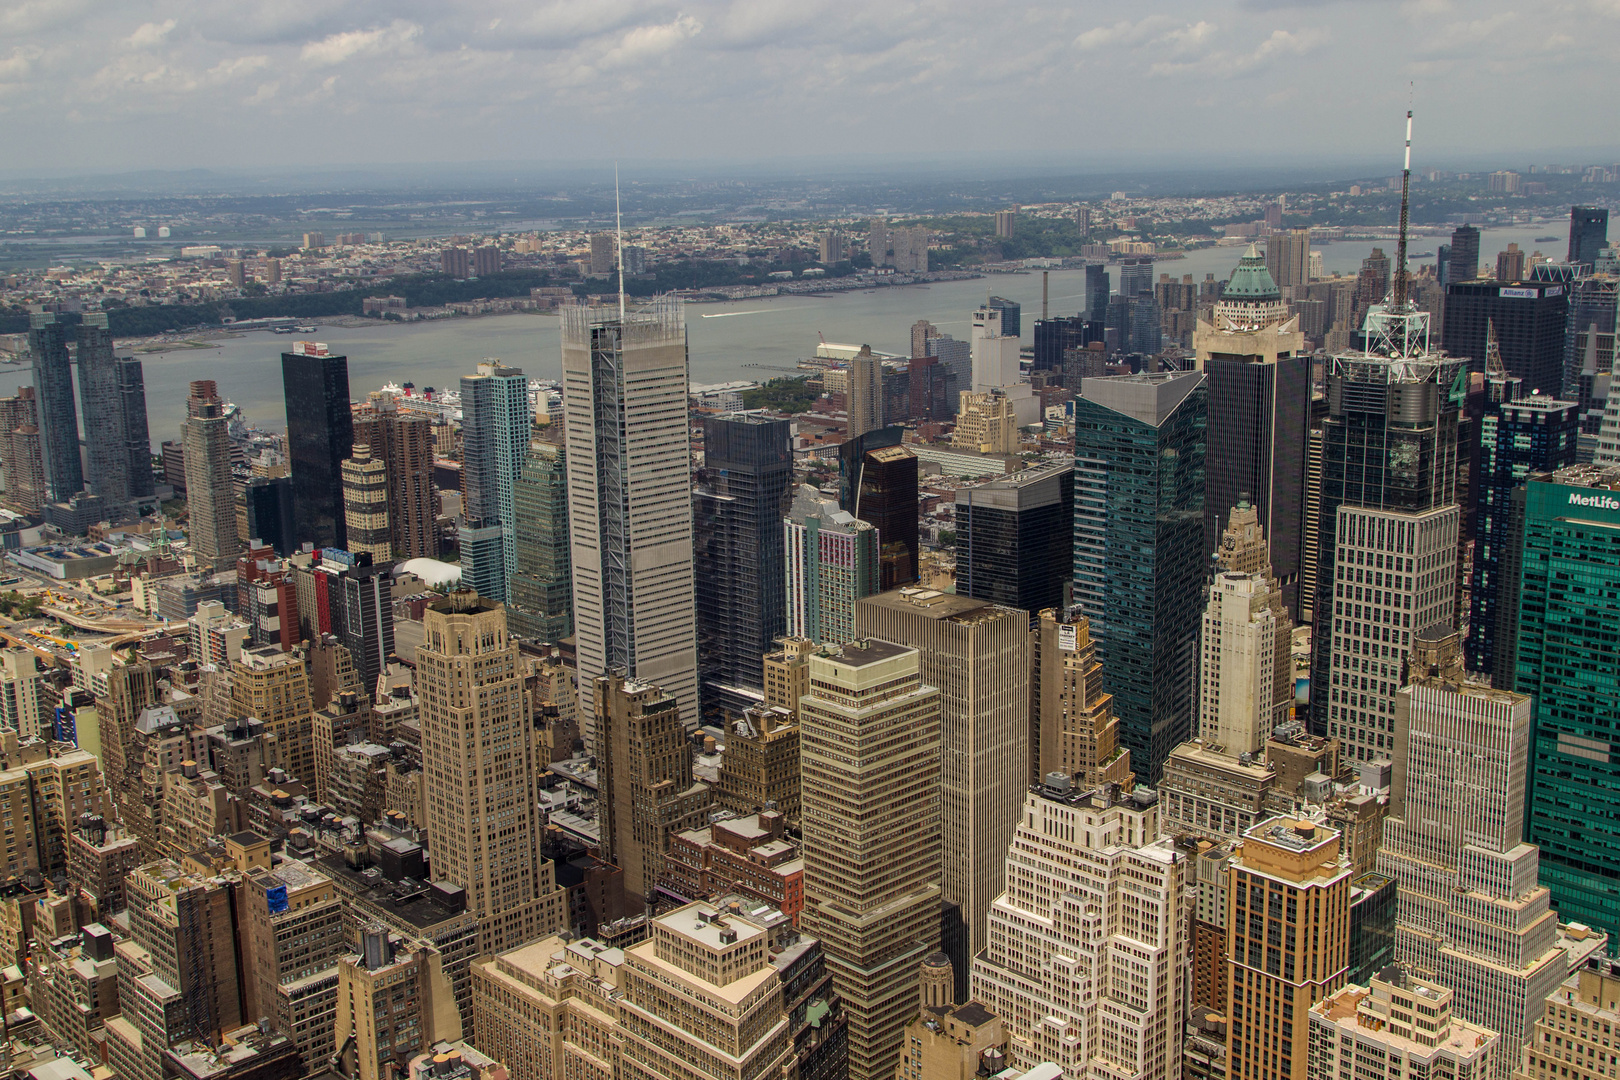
(479, 770)
(603, 256)
(393, 1003)
(210, 496)
(21, 462)
(1073, 729)
(404, 441)
(365, 504)
(1245, 684)
(1406, 1022)
(645, 777)
(787, 673)
(1287, 943)
(273, 687)
(977, 653)
(952, 1042)
(291, 927)
(1288, 256)
(870, 756)
(760, 768)
(1575, 1030)
(551, 1008)
(1087, 957)
(864, 396)
(986, 423)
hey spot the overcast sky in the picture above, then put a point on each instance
(110, 85)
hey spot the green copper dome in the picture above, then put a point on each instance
(1251, 280)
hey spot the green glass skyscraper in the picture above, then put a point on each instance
(1568, 607)
(540, 594)
(1138, 547)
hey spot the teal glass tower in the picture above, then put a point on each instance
(1138, 547)
(495, 418)
(1568, 660)
(540, 594)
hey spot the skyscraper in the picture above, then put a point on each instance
(58, 419)
(496, 415)
(1139, 466)
(1245, 683)
(978, 655)
(1565, 536)
(1529, 317)
(268, 508)
(741, 496)
(1588, 233)
(1287, 942)
(1288, 257)
(404, 441)
(1056, 335)
(210, 496)
(1086, 962)
(629, 497)
(883, 492)
(362, 604)
(1072, 726)
(865, 395)
(320, 434)
(1464, 262)
(478, 772)
(1012, 314)
(870, 755)
(831, 562)
(1407, 1022)
(646, 785)
(540, 594)
(365, 504)
(20, 453)
(1471, 912)
(1014, 536)
(1258, 376)
(995, 349)
(1097, 290)
(113, 393)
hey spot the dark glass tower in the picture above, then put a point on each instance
(320, 434)
(1012, 315)
(1015, 537)
(269, 506)
(1529, 319)
(112, 391)
(1053, 336)
(540, 595)
(58, 418)
(364, 618)
(1588, 233)
(1463, 263)
(743, 491)
(886, 498)
(137, 436)
(1097, 289)
(1518, 436)
(1138, 547)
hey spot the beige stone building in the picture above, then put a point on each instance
(1403, 1023)
(365, 504)
(787, 673)
(479, 770)
(870, 755)
(986, 423)
(1073, 729)
(273, 687)
(951, 1042)
(393, 1002)
(977, 654)
(290, 922)
(1574, 1035)
(760, 767)
(551, 1009)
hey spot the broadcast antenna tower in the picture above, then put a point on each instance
(618, 219)
(1406, 193)
(1395, 328)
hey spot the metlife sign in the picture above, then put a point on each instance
(1594, 502)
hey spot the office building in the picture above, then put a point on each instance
(21, 457)
(870, 754)
(1287, 943)
(947, 1041)
(1529, 318)
(118, 455)
(1139, 471)
(1566, 525)
(1097, 291)
(361, 601)
(645, 778)
(1589, 345)
(394, 1001)
(1245, 684)
(267, 509)
(995, 349)
(1510, 265)
(977, 654)
(291, 929)
(210, 496)
(1055, 336)
(956, 356)
(496, 416)
(58, 418)
(932, 389)
(1588, 233)
(320, 435)
(602, 254)
(1288, 257)
(1258, 378)
(1006, 222)
(1470, 911)
(1014, 535)
(540, 593)
(1073, 729)
(832, 561)
(1464, 262)
(629, 491)
(986, 423)
(1407, 1022)
(1087, 958)
(478, 771)
(739, 560)
(23, 706)
(365, 504)
(883, 492)
(1518, 436)
(830, 247)
(273, 687)
(1388, 523)
(864, 393)
(1575, 1030)
(404, 442)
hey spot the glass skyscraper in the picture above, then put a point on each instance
(1568, 661)
(112, 390)
(495, 417)
(742, 493)
(540, 594)
(1588, 233)
(1529, 318)
(1138, 547)
(58, 418)
(1014, 537)
(320, 434)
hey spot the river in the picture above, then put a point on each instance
(724, 339)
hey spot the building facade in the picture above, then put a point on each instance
(540, 593)
(495, 419)
(831, 561)
(320, 434)
(1013, 538)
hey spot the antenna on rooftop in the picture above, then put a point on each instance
(618, 218)
(1406, 189)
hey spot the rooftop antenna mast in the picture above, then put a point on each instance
(618, 219)
(1406, 190)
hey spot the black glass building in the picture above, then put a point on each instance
(886, 498)
(269, 506)
(1138, 559)
(58, 416)
(364, 617)
(320, 435)
(112, 391)
(1530, 322)
(1053, 336)
(1462, 264)
(1097, 289)
(1015, 538)
(1588, 233)
(742, 493)
(1012, 315)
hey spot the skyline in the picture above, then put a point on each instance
(279, 85)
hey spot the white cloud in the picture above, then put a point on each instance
(1124, 32)
(646, 43)
(149, 34)
(338, 48)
